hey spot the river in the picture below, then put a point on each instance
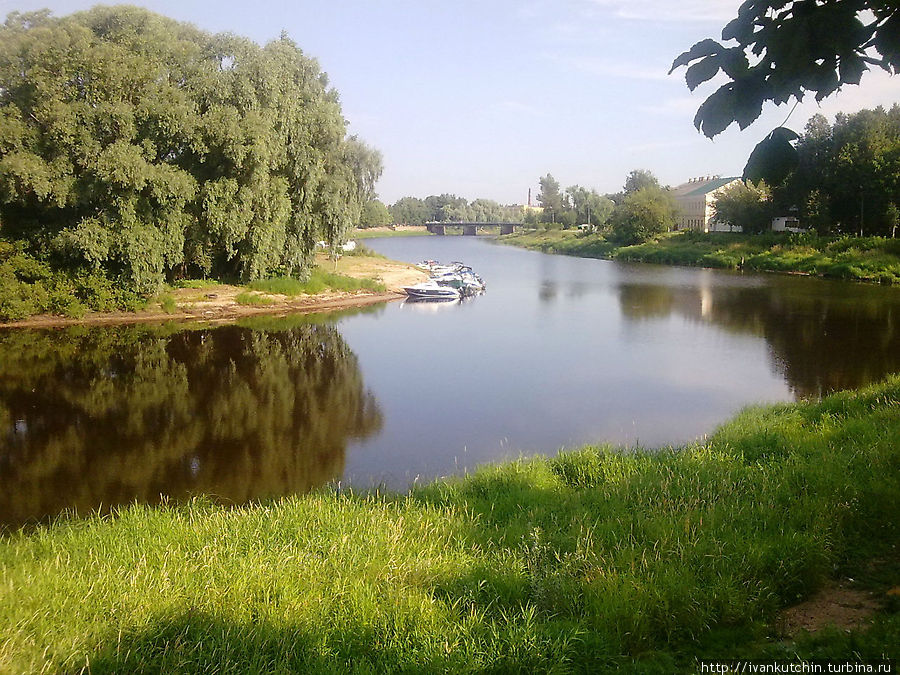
(559, 352)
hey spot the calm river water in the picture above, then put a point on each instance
(559, 352)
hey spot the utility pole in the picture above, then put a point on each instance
(862, 209)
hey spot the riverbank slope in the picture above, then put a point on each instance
(871, 259)
(381, 280)
(585, 562)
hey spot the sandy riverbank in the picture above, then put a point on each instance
(218, 304)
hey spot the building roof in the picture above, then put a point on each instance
(702, 186)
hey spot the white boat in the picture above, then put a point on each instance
(432, 290)
(468, 283)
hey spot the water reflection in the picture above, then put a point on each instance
(822, 336)
(104, 416)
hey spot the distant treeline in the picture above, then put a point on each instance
(137, 148)
(443, 208)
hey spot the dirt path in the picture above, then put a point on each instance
(218, 304)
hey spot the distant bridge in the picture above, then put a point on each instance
(471, 229)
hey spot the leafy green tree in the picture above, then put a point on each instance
(367, 165)
(550, 199)
(409, 211)
(779, 50)
(745, 204)
(140, 146)
(589, 206)
(643, 214)
(374, 214)
(640, 178)
(445, 208)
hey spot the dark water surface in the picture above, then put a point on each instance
(559, 352)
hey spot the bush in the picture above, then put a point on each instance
(29, 286)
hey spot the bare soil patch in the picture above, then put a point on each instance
(838, 606)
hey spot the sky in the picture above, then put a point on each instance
(480, 98)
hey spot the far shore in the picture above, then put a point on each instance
(218, 303)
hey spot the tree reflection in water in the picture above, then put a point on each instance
(823, 336)
(95, 417)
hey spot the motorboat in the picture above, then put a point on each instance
(432, 290)
(456, 280)
(468, 283)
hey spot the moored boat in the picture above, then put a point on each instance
(432, 290)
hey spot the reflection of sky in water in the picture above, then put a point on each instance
(564, 351)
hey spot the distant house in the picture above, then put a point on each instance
(696, 199)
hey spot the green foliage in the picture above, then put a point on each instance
(29, 286)
(253, 299)
(136, 145)
(318, 281)
(196, 283)
(773, 158)
(588, 206)
(447, 208)
(550, 199)
(784, 50)
(167, 303)
(872, 259)
(591, 561)
(846, 178)
(374, 214)
(798, 47)
(410, 211)
(640, 178)
(644, 213)
(746, 205)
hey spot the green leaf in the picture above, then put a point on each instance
(701, 72)
(704, 48)
(773, 159)
(716, 112)
(750, 92)
(851, 69)
(734, 62)
(740, 29)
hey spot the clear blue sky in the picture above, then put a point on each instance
(482, 97)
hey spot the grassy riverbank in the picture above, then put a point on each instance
(32, 294)
(872, 259)
(395, 231)
(586, 561)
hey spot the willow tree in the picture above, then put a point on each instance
(138, 145)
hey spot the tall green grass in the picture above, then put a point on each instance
(319, 281)
(585, 562)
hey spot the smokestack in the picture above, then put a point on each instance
(529, 196)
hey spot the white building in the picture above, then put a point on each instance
(787, 224)
(696, 199)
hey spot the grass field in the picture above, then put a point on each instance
(584, 562)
